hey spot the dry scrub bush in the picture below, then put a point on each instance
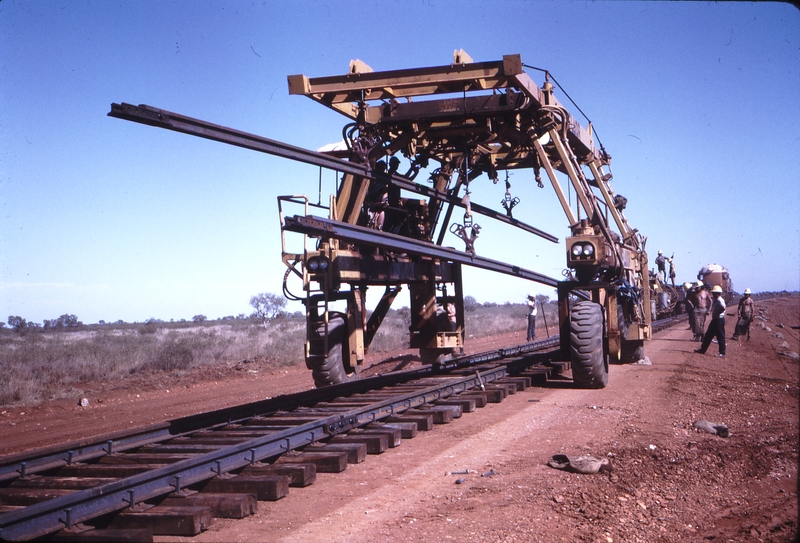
(52, 365)
(284, 341)
(46, 365)
(501, 319)
(393, 334)
(171, 356)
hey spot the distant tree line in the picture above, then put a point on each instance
(267, 307)
(20, 326)
(64, 321)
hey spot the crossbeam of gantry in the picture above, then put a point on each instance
(370, 92)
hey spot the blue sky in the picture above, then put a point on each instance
(696, 102)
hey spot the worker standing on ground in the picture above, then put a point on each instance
(701, 307)
(532, 316)
(689, 302)
(661, 263)
(745, 316)
(716, 328)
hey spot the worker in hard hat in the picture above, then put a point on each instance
(672, 272)
(716, 327)
(746, 313)
(532, 316)
(661, 263)
(689, 299)
(702, 305)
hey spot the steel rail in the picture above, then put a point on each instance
(66, 511)
(160, 118)
(39, 460)
(663, 324)
(318, 226)
(32, 462)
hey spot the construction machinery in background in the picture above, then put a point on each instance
(381, 228)
(664, 298)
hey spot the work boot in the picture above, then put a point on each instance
(699, 351)
(735, 338)
(722, 355)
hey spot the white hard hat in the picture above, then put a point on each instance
(531, 295)
(747, 291)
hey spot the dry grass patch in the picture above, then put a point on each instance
(46, 365)
(43, 366)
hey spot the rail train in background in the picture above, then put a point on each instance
(713, 275)
(667, 301)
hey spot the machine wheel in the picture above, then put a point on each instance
(330, 368)
(589, 363)
(631, 350)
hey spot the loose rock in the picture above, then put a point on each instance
(581, 464)
(715, 428)
(790, 354)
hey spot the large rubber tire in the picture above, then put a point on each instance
(631, 350)
(330, 368)
(589, 362)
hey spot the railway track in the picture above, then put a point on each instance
(173, 478)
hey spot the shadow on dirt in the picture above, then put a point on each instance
(557, 381)
(396, 363)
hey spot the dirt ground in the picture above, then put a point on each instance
(668, 482)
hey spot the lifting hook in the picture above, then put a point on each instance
(508, 202)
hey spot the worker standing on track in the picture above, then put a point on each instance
(716, 328)
(661, 263)
(532, 316)
(701, 310)
(745, 316)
